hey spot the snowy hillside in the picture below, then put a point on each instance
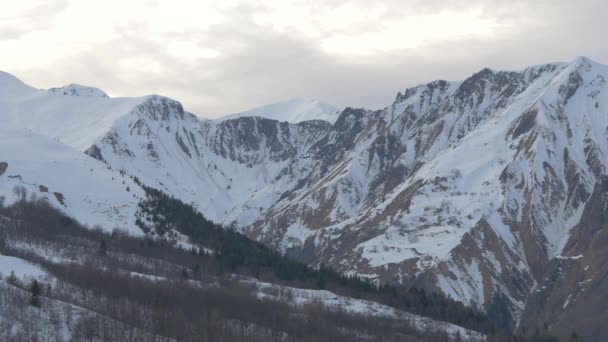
(77, 121)
(80, 186)
(21, 269)
(293, 111)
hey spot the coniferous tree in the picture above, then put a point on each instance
(35, 292)
(12, 279)
(103, 247)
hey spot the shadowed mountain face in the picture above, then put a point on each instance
(474, 189)
(570, 300)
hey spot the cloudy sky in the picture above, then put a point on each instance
(220, 57)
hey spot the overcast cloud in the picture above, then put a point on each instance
(220, 57)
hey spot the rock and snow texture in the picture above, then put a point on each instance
(216, 165)
(219, 167)
(571, 295)
(467, 187)
(470, 188)
(74, 89)
(293, 111)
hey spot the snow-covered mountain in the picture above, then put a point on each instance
(153, 138)
(74, 89)
(471, 188)
(77, 121)
(293, 111)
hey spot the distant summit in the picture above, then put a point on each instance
(74, 89)
(293, 111)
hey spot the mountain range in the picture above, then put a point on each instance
(489, 190)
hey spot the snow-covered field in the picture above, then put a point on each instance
(22, 269)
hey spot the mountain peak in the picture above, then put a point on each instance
(7, 77)
(293, 110)
(586, 64)
(10, 83)
(74, 89)
(581, 60)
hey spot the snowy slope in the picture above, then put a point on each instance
(22, 269)
(77, 184)
(74, 120)
(293, 110)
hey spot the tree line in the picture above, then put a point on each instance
(200, 306)
(161, 213)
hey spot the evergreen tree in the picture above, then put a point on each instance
(35, 291)
(12, 279)
(103, 248)
(321, 281)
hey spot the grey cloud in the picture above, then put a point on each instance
(259, 66)
(38, 17)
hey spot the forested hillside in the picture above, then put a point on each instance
(95, 285)
(230, 251)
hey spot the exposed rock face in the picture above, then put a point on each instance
(570, 299)
(219, 166)
(252, 140)
(468, 188)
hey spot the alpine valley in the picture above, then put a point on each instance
(490, 191)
